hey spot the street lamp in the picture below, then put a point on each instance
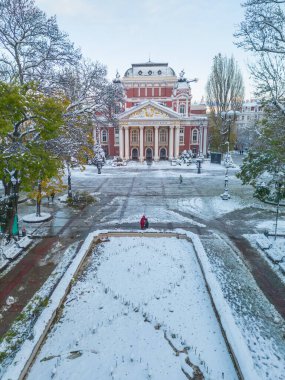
(198, 163)
(200, 140)
(14, 181)
(228, 117)
(279, 179)
(225, 196)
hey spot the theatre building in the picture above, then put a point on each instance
(158, 121)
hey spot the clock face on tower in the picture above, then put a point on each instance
(150, 72)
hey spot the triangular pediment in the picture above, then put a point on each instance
(149, 110)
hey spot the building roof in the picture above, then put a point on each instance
(150, 69)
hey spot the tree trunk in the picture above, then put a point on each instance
(39, 198)
(69, 191)
(7, 187)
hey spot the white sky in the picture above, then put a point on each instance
(185, 33)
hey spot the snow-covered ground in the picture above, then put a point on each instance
(137, 312)
(273, 250)
(259, 323)
(262, 327)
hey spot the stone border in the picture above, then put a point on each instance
(29, 349)
(45, 218)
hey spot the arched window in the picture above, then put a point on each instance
(182, 109)
(195, 136)
(104, 136)
(134, 136)
(148, 136)
(163, 136)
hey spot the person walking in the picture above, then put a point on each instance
(142, 222)
(52, 195)
(146, 223)
(180, 179)
(24, 231)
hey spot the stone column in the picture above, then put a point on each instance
(176, 147)
(141, 143)
(205, 138)
(127, 143)
(121, 142)
(170, 146)
(156, 157)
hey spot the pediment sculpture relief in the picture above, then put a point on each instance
(149, 112)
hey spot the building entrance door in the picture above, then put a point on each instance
(135, 154)
(162, 154)
(148, 155)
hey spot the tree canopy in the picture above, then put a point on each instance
(225, 92)
(30, 119)
(32, 46)
(262, 31)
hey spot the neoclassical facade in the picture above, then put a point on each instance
(158, 121)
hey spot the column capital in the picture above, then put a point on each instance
(141, 127)
(171, 126)
(156, 126)
(126, 127)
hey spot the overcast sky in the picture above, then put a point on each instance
(185, 33)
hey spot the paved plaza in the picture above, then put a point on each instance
(253, 289)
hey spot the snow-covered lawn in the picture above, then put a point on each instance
(138, 311)
(269, 225)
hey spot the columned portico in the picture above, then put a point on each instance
(121, 142)
(151, 128)
(141, 144)
(156, 157)
(176, 147)
(170, 148)
(127, 143)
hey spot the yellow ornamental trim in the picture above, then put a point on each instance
(150, 113)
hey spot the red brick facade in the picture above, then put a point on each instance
(158, 121)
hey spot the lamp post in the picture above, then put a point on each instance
(198, 163)
(14, 181)
(225, 196)
(280, 189)
(200, 140)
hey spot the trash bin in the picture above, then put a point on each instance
(216, 157)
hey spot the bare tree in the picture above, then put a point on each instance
(225, 91)
(31, 45)
(263, 28)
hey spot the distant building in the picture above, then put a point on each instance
(158, 120)
(251, 112)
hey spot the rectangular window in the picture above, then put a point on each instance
(148, 136)
(116, 136)
(104, 137)
(181, 136)
(134, 136)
